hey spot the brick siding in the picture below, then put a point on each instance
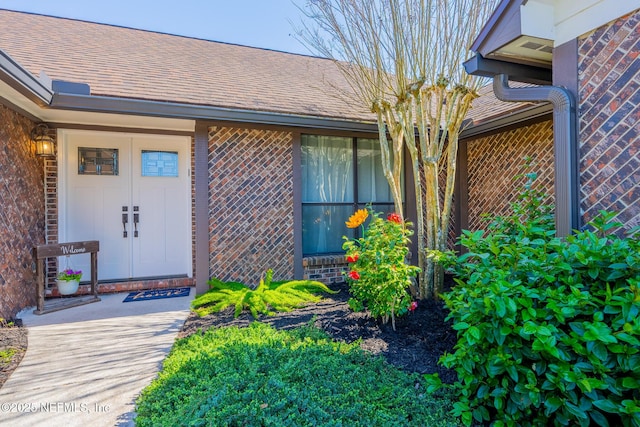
(250, 204)
(21, 212)
(495, 160)
(609, 94)
(328, 269)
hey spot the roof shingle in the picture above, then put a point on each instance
(130, 63)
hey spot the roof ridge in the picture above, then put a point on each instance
(160, 33)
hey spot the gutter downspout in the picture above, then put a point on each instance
(565, 144)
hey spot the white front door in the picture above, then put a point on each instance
(131, 193)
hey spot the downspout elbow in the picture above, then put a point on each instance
(565, 145)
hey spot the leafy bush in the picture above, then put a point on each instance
(259, 376)
(268, 296)
(548, 328)
(380, 276)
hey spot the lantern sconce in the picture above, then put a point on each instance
(45, 145)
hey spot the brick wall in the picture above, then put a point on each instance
(21, 213)
(250, 204)
(327, 269)
(494, 161)
(609, 94)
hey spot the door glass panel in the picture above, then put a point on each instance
(97, 161)
(160, 163)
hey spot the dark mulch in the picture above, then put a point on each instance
(416, 345)
(12, 336)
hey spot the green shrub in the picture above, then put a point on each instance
(548, 329)
(259, 376)
(267, 297)
(380, 276)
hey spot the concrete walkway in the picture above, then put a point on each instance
(86, 365)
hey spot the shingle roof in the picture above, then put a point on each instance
(487, 107)
(138, 64)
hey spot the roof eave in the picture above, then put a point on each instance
(23, 81)
(480, 66)
(518, 117)
(490, 26)
(105, 104)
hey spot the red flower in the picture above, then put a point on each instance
(354, 275)
(413, 305)
(352, 258)
(394, 217)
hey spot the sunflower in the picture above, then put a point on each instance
(357, 218)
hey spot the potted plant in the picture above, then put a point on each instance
(68, 281)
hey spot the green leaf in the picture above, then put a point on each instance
(529, 328)
(606, 405)
(495, 369)
(543, 331)
(628, 339)
(481, 414)
(630, 383)
(501, 309)
(552, 404)
(599, 350)
(483, 391)
(575, 411)
(599, 419)
(474, 332)
(513, 372)
(619, 266)
(578, 328)
(460, 325)
(600, 332)
(585, 385)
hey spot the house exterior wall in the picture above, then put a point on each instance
(250, 204)
(328, 269)
(21, 213)
(609, 105)
(493, 162)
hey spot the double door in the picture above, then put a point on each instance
(132, 193)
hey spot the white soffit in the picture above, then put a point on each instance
(117, 120)
(565, 20)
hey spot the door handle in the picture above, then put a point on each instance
(136, 220)
(125, 220)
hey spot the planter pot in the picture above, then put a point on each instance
(67, 287)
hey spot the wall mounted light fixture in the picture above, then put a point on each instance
(45, 145)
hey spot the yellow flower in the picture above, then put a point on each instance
(357, 218)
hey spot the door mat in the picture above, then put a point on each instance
(157, 294)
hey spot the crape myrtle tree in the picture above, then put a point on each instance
(403, 60)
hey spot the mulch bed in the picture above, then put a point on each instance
(12, 336)
(416, 345)
(419, 340)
